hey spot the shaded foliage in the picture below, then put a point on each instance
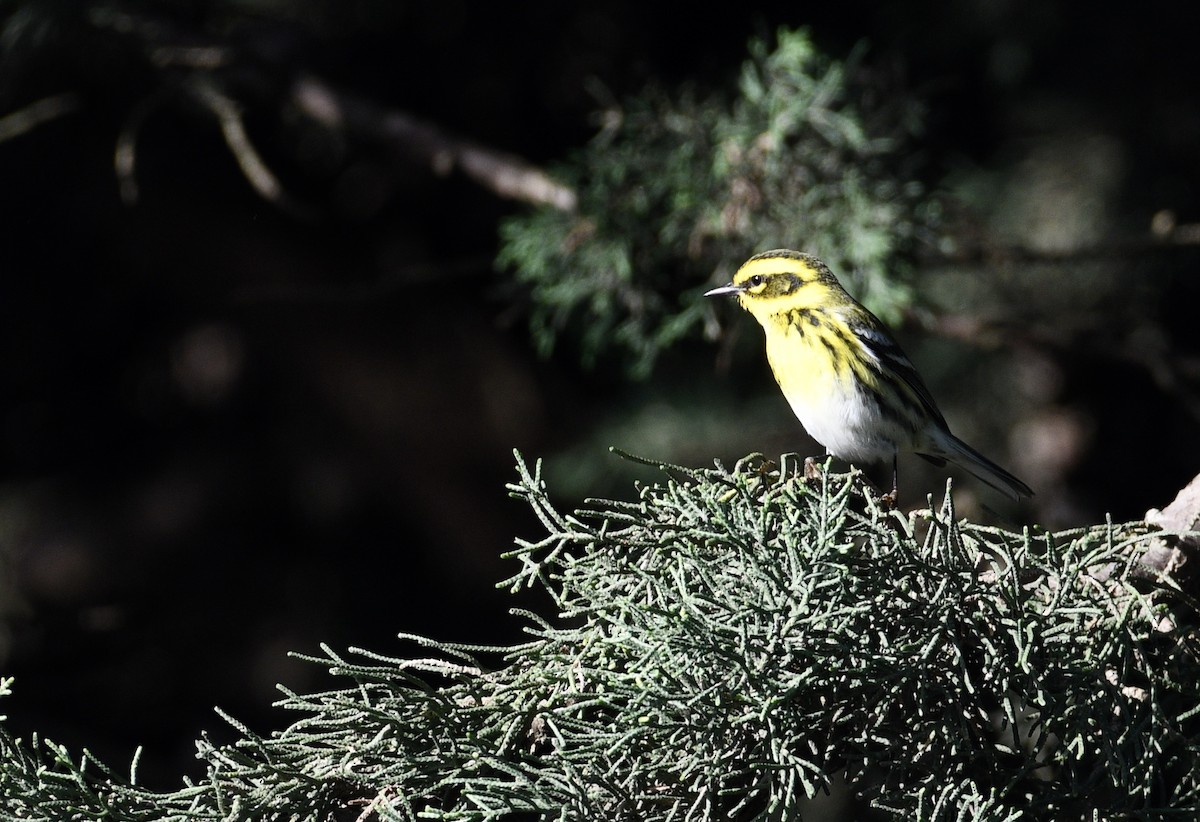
(675, 192)
(726, 646)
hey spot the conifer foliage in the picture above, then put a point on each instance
(810, 152)
(725, 646)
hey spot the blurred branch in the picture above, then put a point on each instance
(228, 113)
(125, 152)
(503, 174)
(1165, 235)
(35, 114)
(228, 79)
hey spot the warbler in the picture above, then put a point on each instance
(844, 376)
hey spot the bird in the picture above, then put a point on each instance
(847, 380)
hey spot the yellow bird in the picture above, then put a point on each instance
(846, 379)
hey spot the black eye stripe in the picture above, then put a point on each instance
(776, 283)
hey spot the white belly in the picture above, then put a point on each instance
(848, 427)
(845, 420)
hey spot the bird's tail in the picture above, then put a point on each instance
(979, 466)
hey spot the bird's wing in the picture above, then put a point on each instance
(893, 360)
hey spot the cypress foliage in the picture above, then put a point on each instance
(810, 152)
(726, 645)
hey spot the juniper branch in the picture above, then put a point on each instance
(727, 645)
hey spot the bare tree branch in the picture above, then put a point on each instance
(198, 63)
(125, 152)
(504, 174)
(35, 114)
(229, 117)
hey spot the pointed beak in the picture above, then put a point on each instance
(725, 289)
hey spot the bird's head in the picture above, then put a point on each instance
(782, 280)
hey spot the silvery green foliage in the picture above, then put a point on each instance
(725, 646)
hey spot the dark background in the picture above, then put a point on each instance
(228, 432)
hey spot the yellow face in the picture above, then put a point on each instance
(781, 281)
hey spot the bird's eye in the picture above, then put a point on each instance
(756, 281)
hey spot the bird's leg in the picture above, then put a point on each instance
(890, 499)
(812, 470)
